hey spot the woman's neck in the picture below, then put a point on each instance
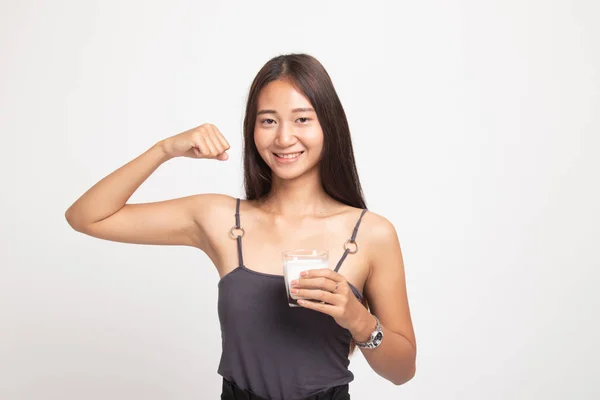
(303, 196)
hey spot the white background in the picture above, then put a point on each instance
(476, 132)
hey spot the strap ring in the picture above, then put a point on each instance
(235, 228)
(350, 241)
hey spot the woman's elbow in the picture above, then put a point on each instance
(405, 378)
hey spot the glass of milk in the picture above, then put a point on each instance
(296, 261)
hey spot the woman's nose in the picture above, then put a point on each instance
(285, 136)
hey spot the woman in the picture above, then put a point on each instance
(302, 191)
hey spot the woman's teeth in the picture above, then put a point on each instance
(293, 155)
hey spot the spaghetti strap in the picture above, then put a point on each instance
(240, 230)
(352, 241)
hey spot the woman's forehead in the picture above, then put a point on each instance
(282, 96)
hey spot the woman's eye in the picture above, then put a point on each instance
(268, 121)
(302, 119)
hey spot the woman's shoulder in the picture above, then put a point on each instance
(376, 226)
(215, 199)
(379, 229)
(213, 204)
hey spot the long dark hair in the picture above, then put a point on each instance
(339, 176)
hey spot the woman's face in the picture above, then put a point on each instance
(287, 133)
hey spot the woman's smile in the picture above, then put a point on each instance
(287, 158)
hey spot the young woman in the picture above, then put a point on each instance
(302, 191)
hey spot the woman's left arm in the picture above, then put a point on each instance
(385, 289)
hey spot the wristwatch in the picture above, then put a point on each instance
(375, 339)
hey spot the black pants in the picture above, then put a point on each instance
(233, 392)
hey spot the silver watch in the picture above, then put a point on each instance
(375, 339)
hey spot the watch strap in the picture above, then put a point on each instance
(375, 339)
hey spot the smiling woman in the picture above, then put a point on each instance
(290, 139)
(292, 102)
(302, 191)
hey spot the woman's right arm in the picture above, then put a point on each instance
(103, 211)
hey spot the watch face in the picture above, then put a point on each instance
(379, 336)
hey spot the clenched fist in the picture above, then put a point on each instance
(204, 141)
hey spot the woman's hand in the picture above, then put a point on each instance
(340, 303)
(204, 141)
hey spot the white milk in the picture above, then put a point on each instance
(292, 269)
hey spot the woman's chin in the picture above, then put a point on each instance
(289, 174)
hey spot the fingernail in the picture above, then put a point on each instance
(303, 273)
(294, 291)
(294, 282)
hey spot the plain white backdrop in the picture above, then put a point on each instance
(476, 131)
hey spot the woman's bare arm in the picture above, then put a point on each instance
(103, 211)
(395, 358)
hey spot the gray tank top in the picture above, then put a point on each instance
(271, 349)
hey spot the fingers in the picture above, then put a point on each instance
(201, 149)
(219, 138)
(221, 148)
(220, 143)
(217, 142)
(323, 272)
(321, 307)
(317, 283)
(204, 141)
(212, 148)
(319, 295)
(215, 146)
(210, 143)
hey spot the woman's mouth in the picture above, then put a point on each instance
(287, 158)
